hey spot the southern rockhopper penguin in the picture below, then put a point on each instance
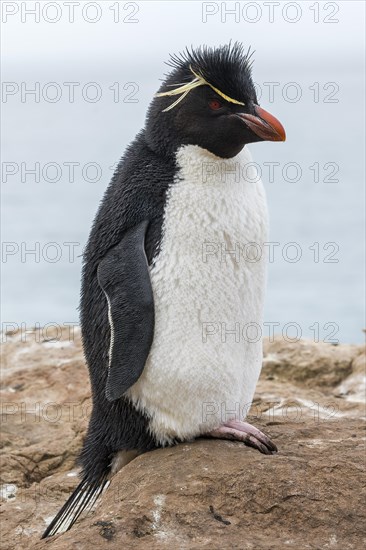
(147, 291)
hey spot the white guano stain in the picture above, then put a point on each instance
(159, 501)
(8, 491)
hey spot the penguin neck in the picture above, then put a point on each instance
(202, 167)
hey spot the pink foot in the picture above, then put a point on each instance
(248, 434)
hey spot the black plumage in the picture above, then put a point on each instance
(227, 67)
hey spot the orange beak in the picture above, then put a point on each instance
(264, 125)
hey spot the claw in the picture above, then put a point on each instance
(248, 434)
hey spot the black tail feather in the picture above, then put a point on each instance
(83, 498)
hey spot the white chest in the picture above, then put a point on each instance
(208, 283)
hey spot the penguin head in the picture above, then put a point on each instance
(209, 99)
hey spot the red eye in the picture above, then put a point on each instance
(214, 104)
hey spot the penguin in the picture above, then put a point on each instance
(158, 309)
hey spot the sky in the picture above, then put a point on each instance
(134, 31)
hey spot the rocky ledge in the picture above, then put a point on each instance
(206, 494)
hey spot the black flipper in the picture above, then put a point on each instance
(83, 498)
(124, 277)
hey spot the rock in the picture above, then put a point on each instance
(205, 494)
(309, 364)
(45, 405)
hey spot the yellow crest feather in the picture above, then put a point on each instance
(184, 89)
(226, 97)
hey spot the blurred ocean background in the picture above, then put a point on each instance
(323, 212)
